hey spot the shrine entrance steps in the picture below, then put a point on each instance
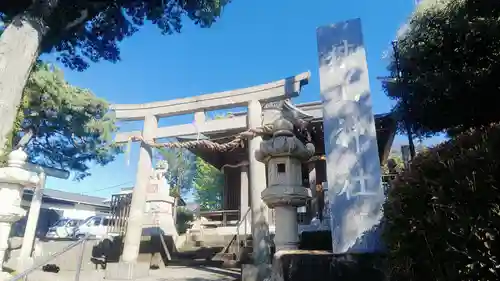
(232, 254)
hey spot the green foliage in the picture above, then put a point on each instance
(450, 61)
(181, 170)
(184, 217)
(208, 185)
(395, 162)
(72, 127)
(89, 30)
(187, 171)
(443, 216)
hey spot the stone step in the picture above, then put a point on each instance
(210, 263)
(197, 253)
(196, 262)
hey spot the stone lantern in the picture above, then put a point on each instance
(13, 179)
(284, 153)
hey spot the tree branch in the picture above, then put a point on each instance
(83, 16)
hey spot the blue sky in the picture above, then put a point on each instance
(254, 42)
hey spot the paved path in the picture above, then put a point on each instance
(171, 273)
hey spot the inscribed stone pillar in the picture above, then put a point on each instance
(137, 206)
(353, 168)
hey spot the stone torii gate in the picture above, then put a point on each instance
(254, 98)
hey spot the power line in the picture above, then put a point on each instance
(106, 188)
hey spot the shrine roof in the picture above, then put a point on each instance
(385, 125)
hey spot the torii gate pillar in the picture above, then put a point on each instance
(136, 216)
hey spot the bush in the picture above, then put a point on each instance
(184, 217)
(443, 216)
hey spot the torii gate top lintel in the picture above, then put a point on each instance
(277, 90)
(284, 88)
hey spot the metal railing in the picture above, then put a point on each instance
(120, 210)
(244, 219)
(24, 274)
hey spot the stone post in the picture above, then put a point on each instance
(244, 199)
(13, 179)
(312, 186)
(25, 260)
(284, 154)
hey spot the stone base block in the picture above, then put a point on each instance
(250, 272)
(316, 240)
(300, 265)
(126, 271)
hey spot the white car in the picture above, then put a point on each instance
(96, 226)
(63, 228)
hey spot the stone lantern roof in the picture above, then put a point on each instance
(284, 143)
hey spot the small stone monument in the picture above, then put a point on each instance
(13, 179)
(159, 203)
(284, 153)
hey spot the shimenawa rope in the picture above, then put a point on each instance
(238, 141)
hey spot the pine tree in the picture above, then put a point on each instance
(71, 126)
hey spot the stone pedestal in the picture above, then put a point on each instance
(159, 216)
(159, 205)
(13, 179)
(324, 266)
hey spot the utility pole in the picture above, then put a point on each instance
(399, 83)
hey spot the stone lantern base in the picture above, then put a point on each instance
(299, 265)
(13, 179)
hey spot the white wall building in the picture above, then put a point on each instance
(58, 204)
